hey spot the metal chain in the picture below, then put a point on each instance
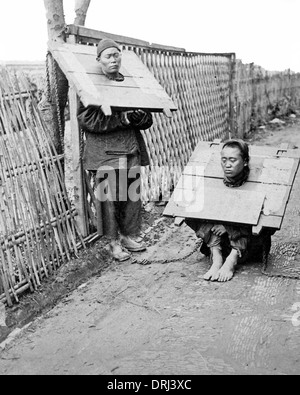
(48, 90)
(165, 261)
(263, 270)
(60, 128)
(81, 148)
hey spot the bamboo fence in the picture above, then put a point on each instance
(258, 92)
(37, 227)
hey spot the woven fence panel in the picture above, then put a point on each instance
(37, 226)
(200, 86)
(243, 97)
(257, 94)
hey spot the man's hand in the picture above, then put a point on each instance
(218, 230)
(136, 117)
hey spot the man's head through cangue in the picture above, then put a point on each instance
(109, 56)
(235, 158)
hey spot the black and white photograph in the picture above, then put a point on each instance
(149, 190)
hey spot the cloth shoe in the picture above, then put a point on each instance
(118, 253)
(133, 245)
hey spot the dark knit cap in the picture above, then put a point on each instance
(106, 43)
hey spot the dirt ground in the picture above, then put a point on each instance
(97, 317)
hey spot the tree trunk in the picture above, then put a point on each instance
(81, 8)
(55, 19)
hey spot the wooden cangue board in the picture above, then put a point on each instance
(140, 89)
(260, 202)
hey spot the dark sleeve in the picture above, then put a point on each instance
(92, 119)
(145, 123)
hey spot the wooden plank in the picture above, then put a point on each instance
(132, 66)
(145, 92)
(269, 170)
(95, 35)
(276, 196)
(132, 98)
(100, 80)
(274, 151)
(88, 64)
(253, 150)
(79, 191)
(84, 87)
(291, 153)
(74, 48)
(271, 221)
(284, 146)
(246, 206)
(278, 170)
(178, 221)
(256, 150)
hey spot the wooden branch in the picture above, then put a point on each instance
(81, 8)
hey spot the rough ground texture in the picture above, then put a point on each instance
(99, 317)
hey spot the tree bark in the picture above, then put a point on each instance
(81, 8)
(55, 19)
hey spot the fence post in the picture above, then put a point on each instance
(232, 98)
(79, 186)
(253, 118)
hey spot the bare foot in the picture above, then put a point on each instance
(215, 267)
(226, 272)
(212, 273)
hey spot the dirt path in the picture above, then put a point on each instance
(164, 319)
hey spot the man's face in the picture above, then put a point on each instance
(110, 61)
(232, 161)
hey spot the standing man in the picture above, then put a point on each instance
(115, 151)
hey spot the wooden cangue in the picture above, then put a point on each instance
(261, 202)
(140, 89)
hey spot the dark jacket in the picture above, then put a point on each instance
(109, 138)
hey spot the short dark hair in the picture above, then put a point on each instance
(241, 145)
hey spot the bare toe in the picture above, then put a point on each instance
(207, 276)
(216, 276)
(225, 275)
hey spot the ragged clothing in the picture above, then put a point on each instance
(237, 236)
(109, 138)
(113, 149)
